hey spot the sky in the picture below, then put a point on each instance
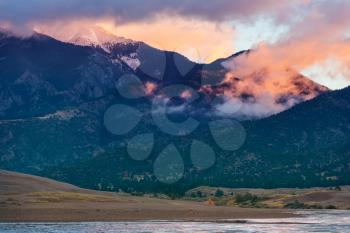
(309, 36)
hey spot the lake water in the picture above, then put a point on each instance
(314, 221)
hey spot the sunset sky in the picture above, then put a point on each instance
(310, 36)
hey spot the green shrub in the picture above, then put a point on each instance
(331, 207)
(219, 193)
(300, 205)
(247, 197)
(199, 193)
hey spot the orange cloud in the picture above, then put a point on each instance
(293, 54)
(150, 88)
(257, 91)
(200, 40)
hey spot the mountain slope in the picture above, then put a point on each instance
(308, 143)
(305, 146)
(40, 75)
(13, 182)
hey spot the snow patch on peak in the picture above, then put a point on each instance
(132, 61)
(97, 36)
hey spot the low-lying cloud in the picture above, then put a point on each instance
(261, 91)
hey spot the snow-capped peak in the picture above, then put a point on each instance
(96, 36)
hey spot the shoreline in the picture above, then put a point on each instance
(185, 212)
(233, 221)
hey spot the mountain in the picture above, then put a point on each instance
(305, 146)
(97, 36)
(41, 75)
(54, 96)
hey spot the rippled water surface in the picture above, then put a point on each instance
(314, 221)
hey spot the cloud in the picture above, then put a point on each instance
(21, 11)
(203, 25)
(201, 41)
(253, 92)
(208, 40)
(263, 105)
(316, 43)
(330, 72)
(317, 37)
